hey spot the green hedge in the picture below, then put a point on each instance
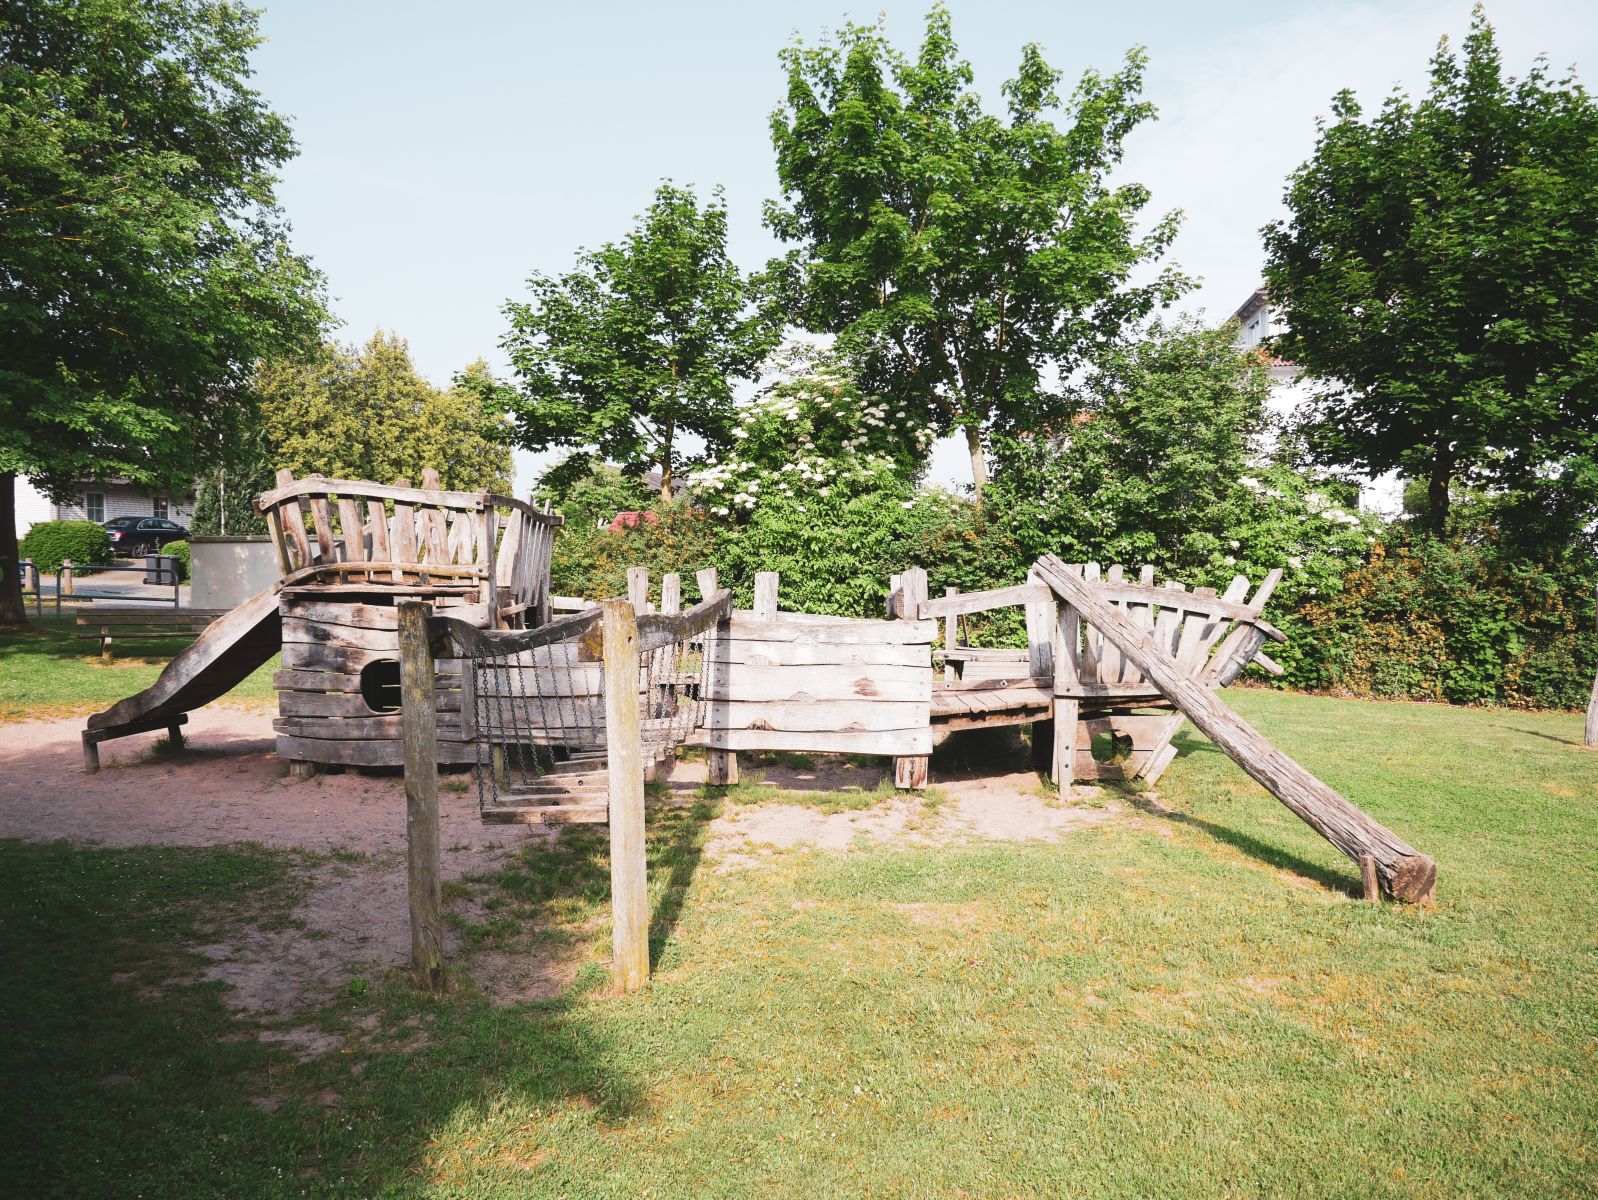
(1461, 619)
(179, 551)
(51, 543)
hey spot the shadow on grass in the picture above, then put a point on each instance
(1256, 848)
(127, 1074)
(564, 883)
(1549, 737)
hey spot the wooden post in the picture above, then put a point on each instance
(1405, 873)
(721, 766)
(1367, 877)
(766, 583)
(63, 580)
(1067, 656)
(671, 594)
(1590, 736)
(638, 589)
(910, 771)
(951, 633)
(706, 580)
(629, 881)
(419, 730)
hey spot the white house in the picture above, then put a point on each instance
(97, 501)
(1292, 390)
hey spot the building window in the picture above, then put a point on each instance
(161, 507)
(94, 506)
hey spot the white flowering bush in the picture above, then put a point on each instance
(808, 434)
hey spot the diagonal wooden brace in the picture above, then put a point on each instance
(1404, 873)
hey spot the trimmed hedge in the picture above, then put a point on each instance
(179, 551)
(51, 543)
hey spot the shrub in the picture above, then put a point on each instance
(51, 543)
(180, 552)
(1461, 619)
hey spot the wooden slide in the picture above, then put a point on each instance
(209, 667)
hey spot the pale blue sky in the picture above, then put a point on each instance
(449, 150)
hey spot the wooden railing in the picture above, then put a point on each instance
(359, 535)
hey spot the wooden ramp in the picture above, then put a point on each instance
(211, 666)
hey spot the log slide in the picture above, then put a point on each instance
(222, 657)
(1402, 871)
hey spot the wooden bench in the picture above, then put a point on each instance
(127, 622)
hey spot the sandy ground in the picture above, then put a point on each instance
(353, 921)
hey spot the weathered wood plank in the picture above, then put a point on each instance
(344, 729)
(347, 704)
(958, 604)
(839, 715)
(883, 742)
(375, 752)
(815, 654)
(298, 629)
(793, 627)
(740, 681)
(629, 883)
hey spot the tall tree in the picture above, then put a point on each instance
(144, 264)
(364, 413)
(1438, 271)
(962, 258)
(640, 344)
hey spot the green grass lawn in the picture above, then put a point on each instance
(47, 670)
(1189, 1004)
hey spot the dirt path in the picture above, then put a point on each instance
(229, 786)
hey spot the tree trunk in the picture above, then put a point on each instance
(1442, 475)
(1590, 735)
(979, 462)
(11, 610)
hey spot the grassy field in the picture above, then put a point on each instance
(1187, 1003)
(47, 670)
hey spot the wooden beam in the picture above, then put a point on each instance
(629, 882)
(420, 735)
(954, 604)
(1405, 873)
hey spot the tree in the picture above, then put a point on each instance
(1166, 459)
(144, 265)
(1438, 271)
(808, 432)
(364, 413)
(958, 256)
(640, 344)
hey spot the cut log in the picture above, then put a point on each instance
(1404, 872)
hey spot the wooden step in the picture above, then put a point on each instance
(547, 814)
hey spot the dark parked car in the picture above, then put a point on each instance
(142, 535)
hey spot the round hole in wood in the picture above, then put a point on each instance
(1112, 746)
(380, 685)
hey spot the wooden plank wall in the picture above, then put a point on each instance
(797, 681)
(322, 716)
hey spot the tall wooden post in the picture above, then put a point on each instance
(721, 766)
(629, 881)
(910, 770)
(419, 730)
(1591, 734)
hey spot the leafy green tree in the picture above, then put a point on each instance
(808, 432)
(1438, 271)
(960, 257)
(1164, 460)
(364, 413)
(144, 264)
(640, 344)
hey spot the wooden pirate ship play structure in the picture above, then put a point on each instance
(530, 701)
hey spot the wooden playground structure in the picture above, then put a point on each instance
(417, 628)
